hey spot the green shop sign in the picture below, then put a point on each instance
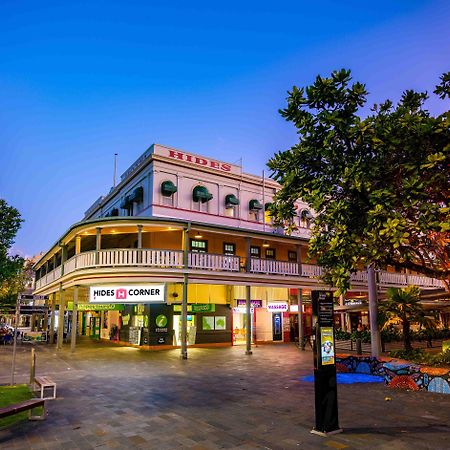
(96, 306)
(161, 321)
(197, 308)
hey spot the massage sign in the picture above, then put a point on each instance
(149, 293)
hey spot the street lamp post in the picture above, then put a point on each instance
(13, 365)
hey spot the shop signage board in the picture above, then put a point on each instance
(96, 306)
(253, 303)
(148, 293)
(160, 329)
(33, 297)
(29, 309)
(325, 383)
(197, 308)
(195, 160)
(242, 310)
(277, 306)
(34, 336)
(355, 301)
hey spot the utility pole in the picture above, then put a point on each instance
(115, 169)
(373, 311)
(13, 365)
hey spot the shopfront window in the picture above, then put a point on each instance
(210, 323)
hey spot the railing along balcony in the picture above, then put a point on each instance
(209, 261)
(141, 257)
(359, 277)
(403, 279)
(216, 262)
(125, 257)
(420, 280)
(272, 266)
(49, 277)
(311, 270)
(391, 278)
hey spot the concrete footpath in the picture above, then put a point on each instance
(126, 398)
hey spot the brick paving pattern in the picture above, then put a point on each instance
(125, 398)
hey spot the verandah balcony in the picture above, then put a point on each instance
(173, 259)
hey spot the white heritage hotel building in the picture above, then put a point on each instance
(183, 253)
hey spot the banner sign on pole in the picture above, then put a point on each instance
(33, 297)
(26, 309)
(325, 384)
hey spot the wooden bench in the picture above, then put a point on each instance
(24, 406)
(43, 383)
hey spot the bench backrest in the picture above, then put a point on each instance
(19, 407)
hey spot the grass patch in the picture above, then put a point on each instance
(15, 394)
(419, 356)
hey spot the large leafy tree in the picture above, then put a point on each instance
(16, 283)
(11, 267)
(379, 184)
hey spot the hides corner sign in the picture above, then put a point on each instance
(151, 293)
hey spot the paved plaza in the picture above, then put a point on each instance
(126, 398)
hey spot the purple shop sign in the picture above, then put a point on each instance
(253, 303)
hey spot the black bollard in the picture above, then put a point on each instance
(358, 346)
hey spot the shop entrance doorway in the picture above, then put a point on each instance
(239, 328)
(191, 329)
(240, 325)
(95, 327)
(277, 326)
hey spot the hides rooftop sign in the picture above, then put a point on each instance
(196, 160)
(149, 293)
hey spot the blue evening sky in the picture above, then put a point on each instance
(82, 80)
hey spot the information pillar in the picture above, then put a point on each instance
(325, 385)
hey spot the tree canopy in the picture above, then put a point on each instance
(379, 184)
(11, 267)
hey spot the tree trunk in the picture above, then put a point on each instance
(407, 335)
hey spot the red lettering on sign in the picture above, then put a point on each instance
(177, 155)
(200, 161)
